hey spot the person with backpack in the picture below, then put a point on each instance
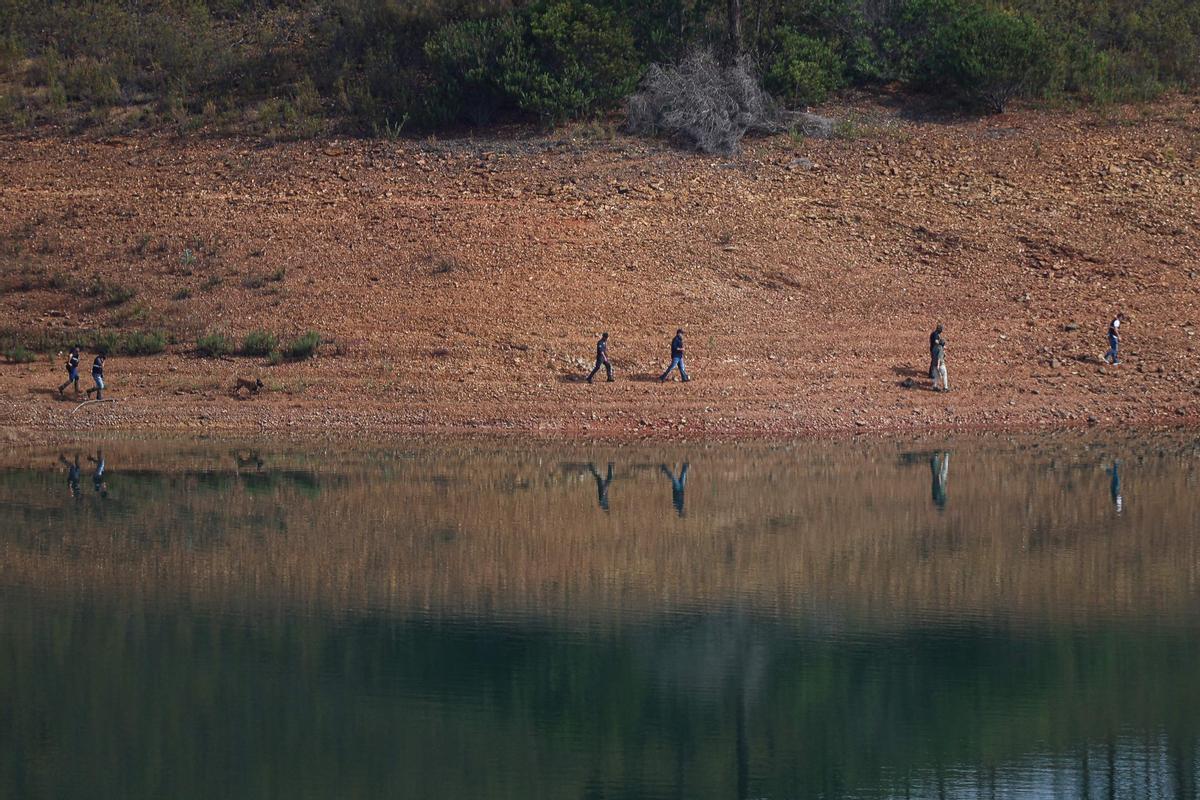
(676, 358)
(601, 359)
(72, 370)
(98, 376)
(1114, 339)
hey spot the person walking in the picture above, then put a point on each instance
(601, 359)
(72, 370)
(937, 355)
(98, 376)
(676, 358)
(1114, 339)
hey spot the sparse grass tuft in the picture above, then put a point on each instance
(19, 355)
(302, 347)
(259, 343)
(213, 345)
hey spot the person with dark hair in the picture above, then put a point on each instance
(676, 358)
(72, 370)
(602, 484)
(1114, 339)
(601, 359)
(98, 376)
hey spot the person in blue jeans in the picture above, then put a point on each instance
(676, 358)
(72, 370)
(98, 376)
(1114, 339)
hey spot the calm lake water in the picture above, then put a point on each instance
(989, 617)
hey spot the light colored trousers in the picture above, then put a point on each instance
(941, 375)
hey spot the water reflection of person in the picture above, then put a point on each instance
(602, 484)
(98, 482)
(1114, 488)
(677, 485)
(939, 469)
(72, 474)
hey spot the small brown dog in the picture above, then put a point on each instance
(251, 386)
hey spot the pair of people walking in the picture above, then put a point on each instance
(73, 373)
(676, 359)
(937, 360)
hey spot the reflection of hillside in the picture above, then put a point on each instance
(1024, 530)
(724, 705)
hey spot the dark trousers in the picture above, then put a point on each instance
(601, 362)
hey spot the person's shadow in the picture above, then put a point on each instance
(677, 485)
(602, 484)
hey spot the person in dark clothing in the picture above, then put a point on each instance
(1114, 339)
(72, 474)
(601, 359)
(936, 341)
(72, 370)
(677, 485)
(602, 484)
(937, 360)
(98, 376)
(676, 358)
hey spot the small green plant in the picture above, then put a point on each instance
(274, 358)
(182, 294)
(302, 347)
(254, 281)
(211, 282)
(18, 354)
(277, 276)
(259, 343)
(108, 293)
(213, 345)
(188, 258)
(143, 343)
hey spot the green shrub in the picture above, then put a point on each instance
(108, 293)
(804, 69)
(142, 343)
(466, 61)
(576, 58)
(302, 347)
(17, 354)
(213, 345)
(259, 343)
(984, 55)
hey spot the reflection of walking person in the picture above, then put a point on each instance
(677, 486)
(72, 474)
(602, 484)
(98, 376)
(937, 360)
(72, 371)
(1114, 339)
(1114, 487)
(676, 358)
(98, 482)
(939, 469)
(601, 358)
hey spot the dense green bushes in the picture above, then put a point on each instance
(298, 68)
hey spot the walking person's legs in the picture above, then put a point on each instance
(945, 379)
(682, 371)
(667, 374)
(595, 369)
(1111, 355)
(608, 370)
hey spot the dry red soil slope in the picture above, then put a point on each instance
(462, 283)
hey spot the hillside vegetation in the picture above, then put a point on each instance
(301, 68)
